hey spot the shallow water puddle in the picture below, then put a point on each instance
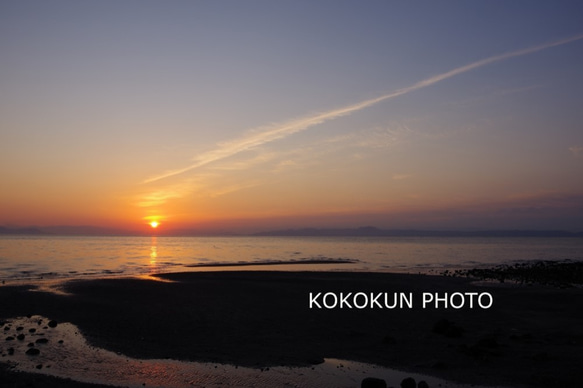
(62, 351)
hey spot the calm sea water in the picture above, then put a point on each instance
(36, 257)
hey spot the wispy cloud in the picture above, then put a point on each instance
(235, 187)
(163, 195)
(352, 144)
(382, 137)
(245, 164)
(577, 151)
(268, 134)
(274, 132)
(158, 197)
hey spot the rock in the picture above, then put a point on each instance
(409, 382)
(33, 352)
(19, 328)
(53, 323)
(373, 382)
(20, 337)
(10, 338)
(31, 330)
(10, 351)
(42, 341)
(422, 384)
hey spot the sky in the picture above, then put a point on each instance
(246, 116)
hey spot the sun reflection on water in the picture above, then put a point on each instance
(154, 252)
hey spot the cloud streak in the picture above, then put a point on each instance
(577, 151)
(274, 132)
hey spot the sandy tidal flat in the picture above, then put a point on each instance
(529, 336)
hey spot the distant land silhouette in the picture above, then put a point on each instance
(372, 231)
(365, 231)
(82, 230)
(86, 230)
(29, 230)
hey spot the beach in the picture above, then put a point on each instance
(299, 194)
(527, 335)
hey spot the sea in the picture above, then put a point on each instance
(31, 258)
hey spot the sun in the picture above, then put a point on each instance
(154, 224)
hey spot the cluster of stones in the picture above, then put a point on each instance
(409, 382)
(19, 334)
(562, 273)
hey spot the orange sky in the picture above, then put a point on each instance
(115, 116)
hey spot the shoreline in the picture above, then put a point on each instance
(270, 263)
(530, 336)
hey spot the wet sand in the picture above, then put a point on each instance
(531, 336)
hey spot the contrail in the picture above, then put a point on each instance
(268, 134)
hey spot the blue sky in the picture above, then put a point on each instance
(260, 114)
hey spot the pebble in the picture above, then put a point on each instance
(373, 382)
(33, 352)
(409, 382)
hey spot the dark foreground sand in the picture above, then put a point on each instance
(532, 336)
